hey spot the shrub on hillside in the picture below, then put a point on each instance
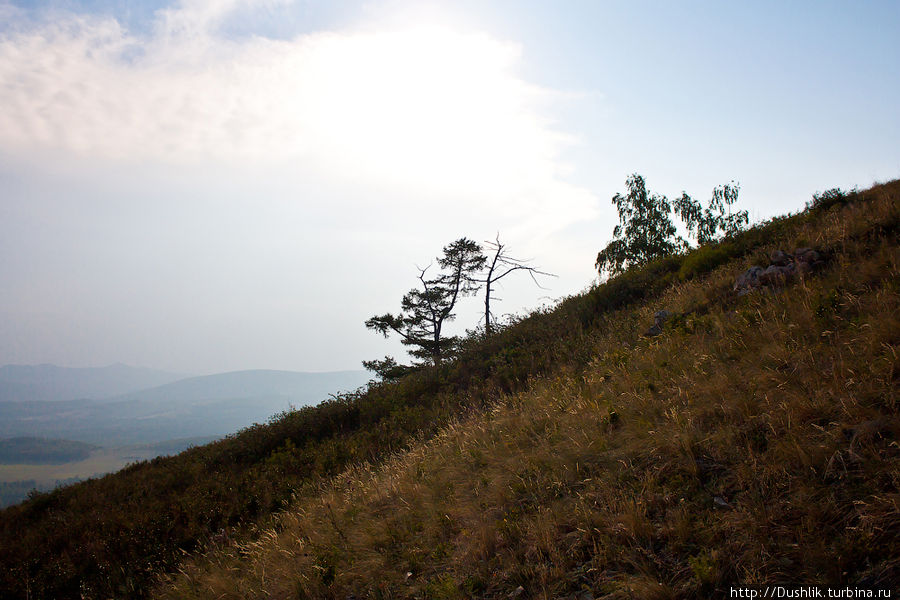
(705, 259)
(829, 198)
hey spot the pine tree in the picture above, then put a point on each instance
(425, 310)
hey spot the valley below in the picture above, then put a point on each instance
(138, 425)
(18, 480)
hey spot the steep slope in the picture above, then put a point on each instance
(113, 536)
(754, 441)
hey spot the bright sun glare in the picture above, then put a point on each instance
(411, 104)
(419, 106)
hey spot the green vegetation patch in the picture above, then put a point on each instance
(42, 451)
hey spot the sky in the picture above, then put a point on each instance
(204, 186)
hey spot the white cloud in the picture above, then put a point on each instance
(425, 108)
(169, 184)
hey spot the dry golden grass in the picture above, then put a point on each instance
(755, 441)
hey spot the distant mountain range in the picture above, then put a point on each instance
(46, 383)
(212, 405)
(305, 387)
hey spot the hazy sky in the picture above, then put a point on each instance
(205, 186)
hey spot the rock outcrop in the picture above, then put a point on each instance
(658, 319)
(782, 268)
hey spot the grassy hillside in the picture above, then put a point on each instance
(570, 452)
(754, 441)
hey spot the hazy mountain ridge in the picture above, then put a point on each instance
(249, 383)
(143, 424)
(46, 382)
(212, 405)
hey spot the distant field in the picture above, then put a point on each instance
(17, 480)
(99, 462)
(42, 451)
